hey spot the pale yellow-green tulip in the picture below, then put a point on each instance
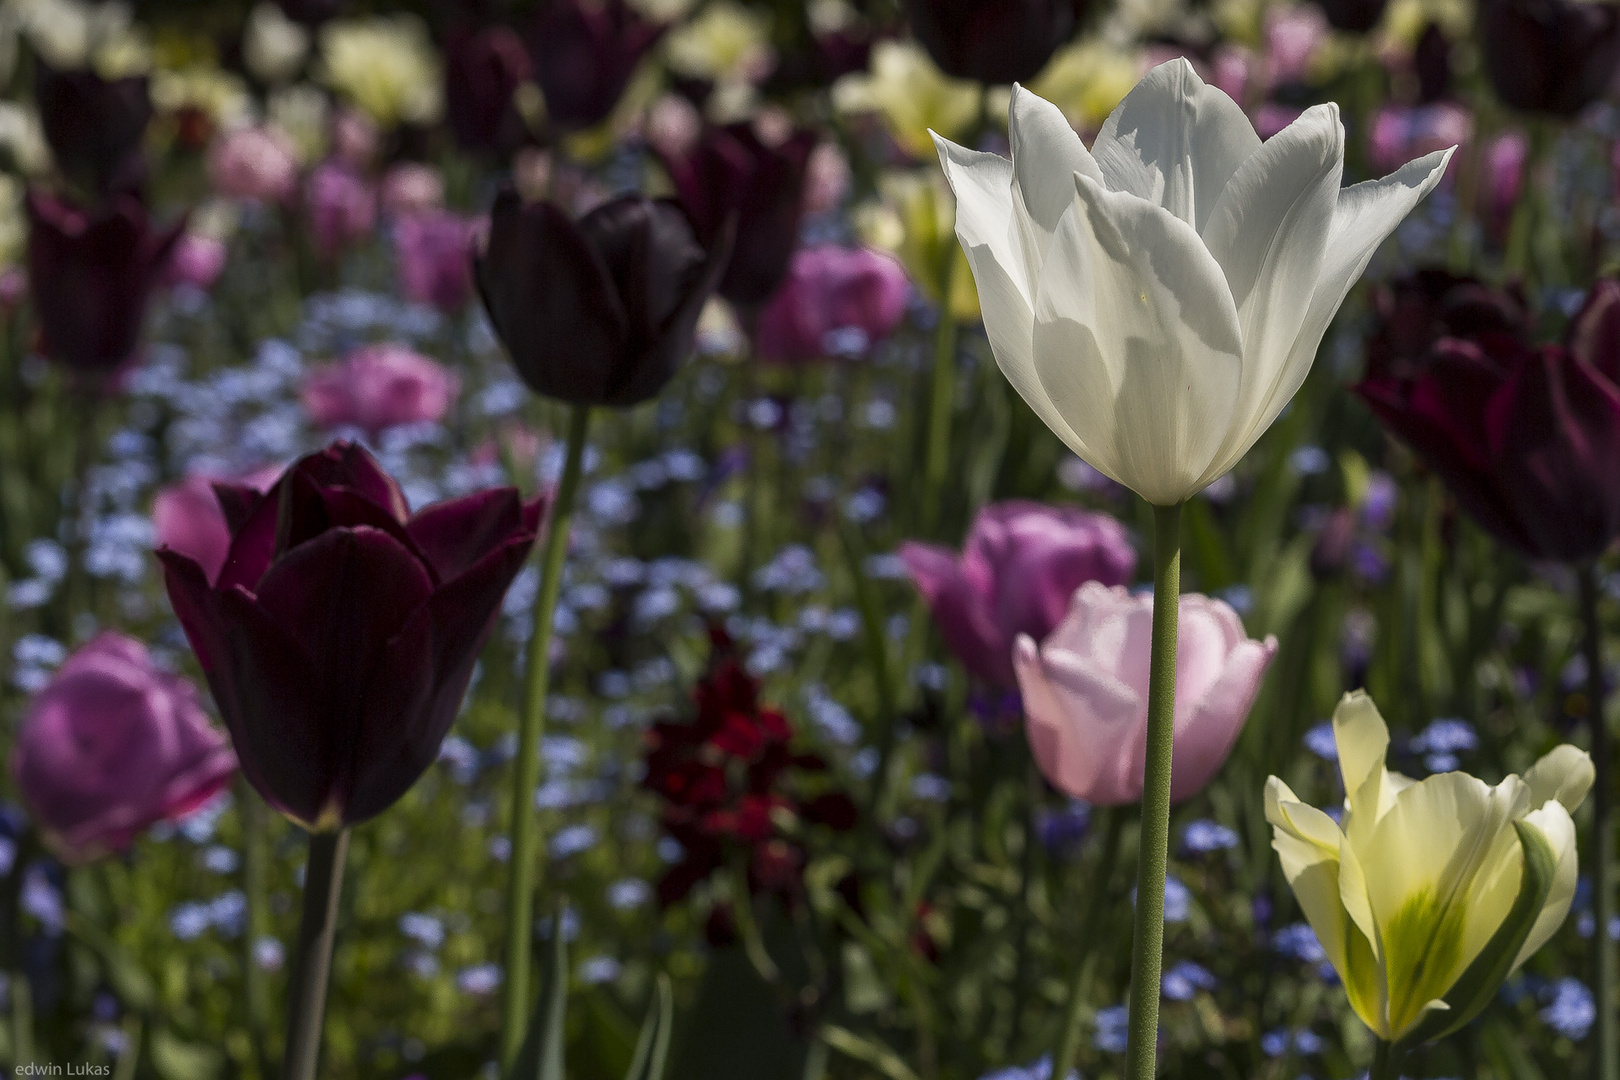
(386, 66)
(911, 96)
(915, 223)
(1433, 891)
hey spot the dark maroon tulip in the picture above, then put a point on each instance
(600, 311)
(732, 171)
(90, 274)
(993, 41)
(94, 126)
(1550, 56)
(341, 634)
(1431, 62)
(1526, 437)
(310, 12)
(482, 70)
(584, 55)
(1426, 305)
(1356, 16)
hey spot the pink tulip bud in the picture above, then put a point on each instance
(378, 387)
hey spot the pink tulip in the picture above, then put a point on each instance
(412, 188)
(1403, 132)
(195, 260)
(1085, 690)
(1507, 157)
(835, 300)
(1020, 565)
(113, 745)
(433, 255)
(342, 207)
(186, 516)
(377, 387)
(254, 163)
(1293, 38)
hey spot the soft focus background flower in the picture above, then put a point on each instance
(378, 387)
(386, 66)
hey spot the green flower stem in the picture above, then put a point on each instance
(1096, 900)
(515, 1004)
(1147, 937)
(312, 961)
(742, 912)
(1386, 1062)
(255, 887)
(941, 397)
(1605, 1037)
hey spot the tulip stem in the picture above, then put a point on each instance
(1386, 1062)
(1147, 937)
(941, 397)
(312, 962)
(1605, 1047)
(255, 873)
(515, 1006)
(1100, 877)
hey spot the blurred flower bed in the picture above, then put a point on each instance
(816, 600)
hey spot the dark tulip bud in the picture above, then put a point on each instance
(993, 41)
(310, 12)
(599, 311)
(90, 274)
(1355, 16)
(94, 126)
(482, 70)
(1431, 62)
(341, 634)
(1415, 311)
(732, 171)
(584, 56)
(1550, 56)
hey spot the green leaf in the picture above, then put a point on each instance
(177, 1060)
(652, 1048)
(1474, 989)
(541, 1056)
(864, 1050)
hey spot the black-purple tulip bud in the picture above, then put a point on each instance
(584, 55)
(94, 126)
(1550, 56)
(599, 311)
(1354, 16)
(482, 71)
(993, 41)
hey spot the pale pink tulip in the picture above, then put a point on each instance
(258, 163)
(1085, 691)
(195, 260)
(412, 188)
(376, 387)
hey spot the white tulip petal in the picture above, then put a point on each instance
(982, 184)
(1556, 825)
(1366, 214)
(1564, 774)
(1046, 154)
(1175, 141)
(1137, 342)
(1268, 231)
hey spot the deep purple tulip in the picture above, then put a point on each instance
(1415, 311)
(1550, 56)
(114, 744)
(584, 55)
(732, 171)
(94, 126)
(482, 70)
(993, 41)
(1017, 573)
(1431, 63)
(341, 634)
(836, 301)
(1356, 16)
(599, 311)
(1527, 438)
(90, 274)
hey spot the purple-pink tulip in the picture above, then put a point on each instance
(377, 387)
(196, 260)
(1085, 691)
(112, 745)
(342, 207)
(1018, 568)
(187, 518)
(433, 256)
(836, 301)
(258, 163)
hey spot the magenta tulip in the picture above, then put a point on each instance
(377, 387)
(836, 301)
(433, 253)
(1020, 565)
(341, 634)
(1085, 690)
(113, 745)
(342, 207)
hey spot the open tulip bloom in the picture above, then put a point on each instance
(1157, 300)
(1430, 892)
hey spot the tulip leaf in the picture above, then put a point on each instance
(1476, 986)
(541, 1056)
(652, 1047)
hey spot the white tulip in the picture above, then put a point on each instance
(1158, 299)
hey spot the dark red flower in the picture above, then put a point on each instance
(733, 173)
(1526, 437)
(585, 53)
(1415, 311)
(341, 635)
(1550, 56)
(90, 273)
(94, 126)
(600, 311)
(993, 41)
(482, 70)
